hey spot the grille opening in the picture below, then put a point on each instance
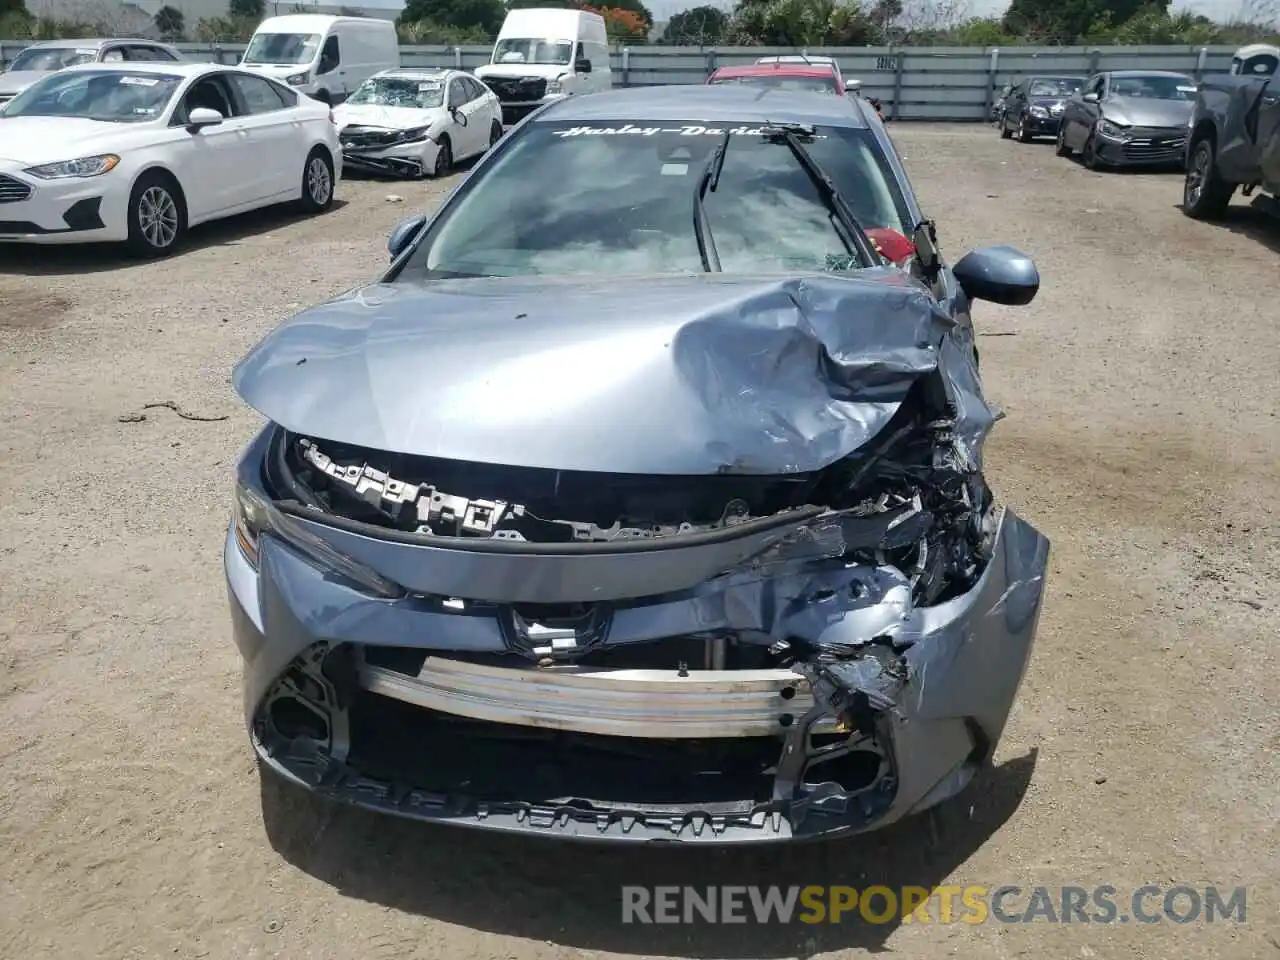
(854, 771)
(439, 753)
(294, 721)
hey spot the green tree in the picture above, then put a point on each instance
(701, 25)
(484, 16)
(246, 9)
(169, 22)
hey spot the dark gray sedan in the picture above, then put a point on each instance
(642, 497)
(1034, 107)
(1129, 118)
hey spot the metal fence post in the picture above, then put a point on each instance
(1094, 54)
(1201, 58)
(992, 69)
(898, 60)
(711, 62)
(626, 66)
(457, 58)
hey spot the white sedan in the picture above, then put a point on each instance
(139, 152)
(409, 123)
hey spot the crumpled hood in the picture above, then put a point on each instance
(665, 375)
(34, 140)
(16, 81)
(1148, 112)
(392, 118)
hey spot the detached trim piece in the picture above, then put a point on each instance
(662, 704)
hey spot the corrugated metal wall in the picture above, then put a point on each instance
(914, 83)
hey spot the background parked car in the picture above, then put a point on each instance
(41, 59)
(138, 152)
(997, 105)
(831, 62)
(1129, 117)
(1235, 142)
(816, 78)
(410, 123)
(1034, 106)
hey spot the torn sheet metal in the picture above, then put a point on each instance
(665, 375)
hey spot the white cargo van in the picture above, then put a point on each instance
(545, 54)
(323, 57)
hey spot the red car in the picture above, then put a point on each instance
(816, 77)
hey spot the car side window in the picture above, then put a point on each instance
(329, 56)
(259, 95)
(112, 55)
(143, 52)
(478, 89)
(209, 93)
(1096, 86)
(456, 95)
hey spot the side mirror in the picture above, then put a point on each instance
(583, 66)
(1090, 98)
(999, 275)
(202, 117)
(459, 117)
(403, 235)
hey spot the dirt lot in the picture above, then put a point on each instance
(1143, 436)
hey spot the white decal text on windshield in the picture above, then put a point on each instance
(690, 130)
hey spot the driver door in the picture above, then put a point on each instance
(213, 164)
(462, 126)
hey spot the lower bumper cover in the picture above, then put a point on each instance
(1143, 151)
(403, 160)
(920, 701)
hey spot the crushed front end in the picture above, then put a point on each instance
(634, 658)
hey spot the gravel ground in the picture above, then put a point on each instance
(1142, 437)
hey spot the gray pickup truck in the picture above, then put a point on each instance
(1234, 142)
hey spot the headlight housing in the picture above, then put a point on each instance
(1113, 130)
(1039, 112)
(250, 516)
(297, 79)
(83, 167)
(417, 133)
(557, 85)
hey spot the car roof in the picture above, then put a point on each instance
(776, 69)
(180, 68)
(1172, 74)
(419, 73)
(99, 42)
(1053, 76)
(707, 103)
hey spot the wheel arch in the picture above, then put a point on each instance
(158, 168)
(1206, 129)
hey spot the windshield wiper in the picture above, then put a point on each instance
(847, 226)
(709, 180)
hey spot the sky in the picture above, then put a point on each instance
(1214, 9)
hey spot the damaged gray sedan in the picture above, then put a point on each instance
(642, 498)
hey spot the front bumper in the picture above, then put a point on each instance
(73, 210)
(414, 159)
(461, 712)
(1043, 126)
(1144, 148)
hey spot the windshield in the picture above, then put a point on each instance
(282, 48)
(784, 82)
(565, 199)
(113, 96)
(52, 58)
(512, 50)
(1055, 87)
(1155, 87)
(399, 92)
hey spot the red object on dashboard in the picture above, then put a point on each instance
(892, 244)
